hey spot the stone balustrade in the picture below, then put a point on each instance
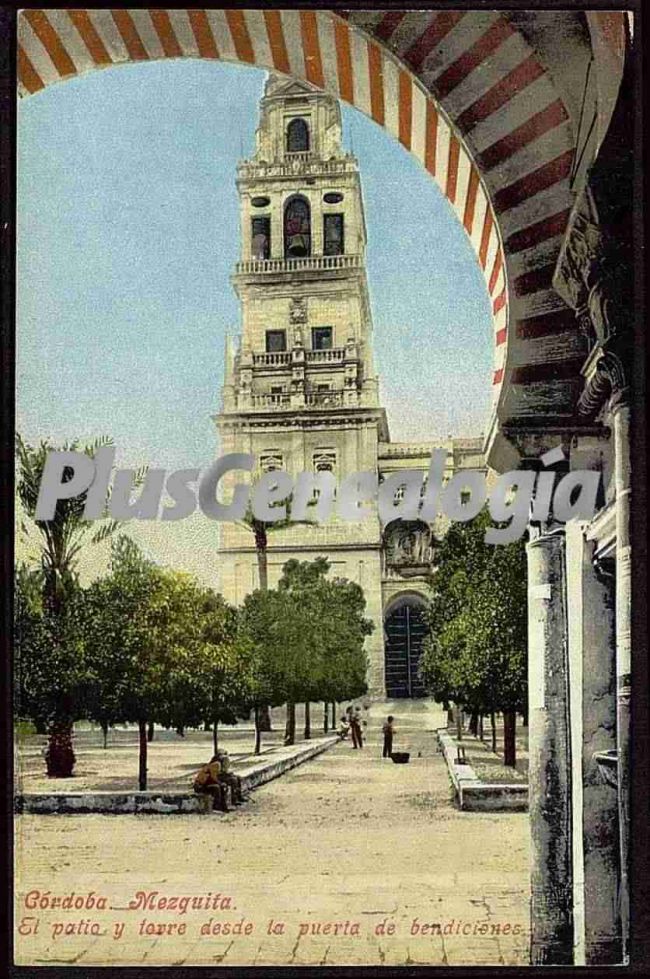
(312, 263)
(273, 359)
(334, 355)
(303, 163)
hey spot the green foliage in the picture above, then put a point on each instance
(307, 636)
(52, 660)
(63, 537)
(164, 647)
(475, 654)
(51, 670)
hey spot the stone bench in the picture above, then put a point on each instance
(254, 774)
(474, 795)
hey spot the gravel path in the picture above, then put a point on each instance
(341, 861)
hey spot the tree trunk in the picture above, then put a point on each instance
(104, 727)
(509, 742)
(261, 544)
(265, 718)
(473, 723)
(263, 713)
(258, 730)
(451, 717)
(215, 741)
(493, 722)
(326, 718)
(524, 716)
(459, 723)
(290, 730)
(333, 716)
(480, 727)
(180, 730)
(150, 731)
(142, 769)
(60, 757)
(307, 733)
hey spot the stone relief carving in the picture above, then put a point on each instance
(298, 320)
(590, 275)
(408, 543)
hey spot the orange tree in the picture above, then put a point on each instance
(55, 663)
(163, 648)
(476, 652)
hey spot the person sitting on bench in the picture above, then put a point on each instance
(228, 777)
(207, 782)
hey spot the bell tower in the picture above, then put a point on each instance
(300, 390)
(306, 323)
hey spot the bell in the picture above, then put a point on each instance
(298, 246)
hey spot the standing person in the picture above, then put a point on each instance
(355, 730)
(388, 732)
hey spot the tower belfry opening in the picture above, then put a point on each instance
(300, 390)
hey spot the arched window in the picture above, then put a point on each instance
(297, 136)
(261, 237)
(333, 235)
(297, 228)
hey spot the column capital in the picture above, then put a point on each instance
(608, 381)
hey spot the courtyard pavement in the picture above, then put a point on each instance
(348, 859)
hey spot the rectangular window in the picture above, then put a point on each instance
(276, 341)
(321, 338)
(261, 238)
(333, 243)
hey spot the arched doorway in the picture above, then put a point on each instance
(404, 632)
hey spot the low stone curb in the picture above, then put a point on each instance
(474, 795)
(252, 776)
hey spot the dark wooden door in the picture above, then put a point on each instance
(405, 631)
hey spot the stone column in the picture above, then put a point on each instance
(592, 684)
(549, 776)
(620, 410)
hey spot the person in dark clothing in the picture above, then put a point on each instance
(355, 731)
(388, 731)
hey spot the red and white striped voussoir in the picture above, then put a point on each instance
(462, 91)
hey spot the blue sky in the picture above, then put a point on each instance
(127, 234)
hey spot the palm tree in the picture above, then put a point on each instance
(61, 541)
(260, 531)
